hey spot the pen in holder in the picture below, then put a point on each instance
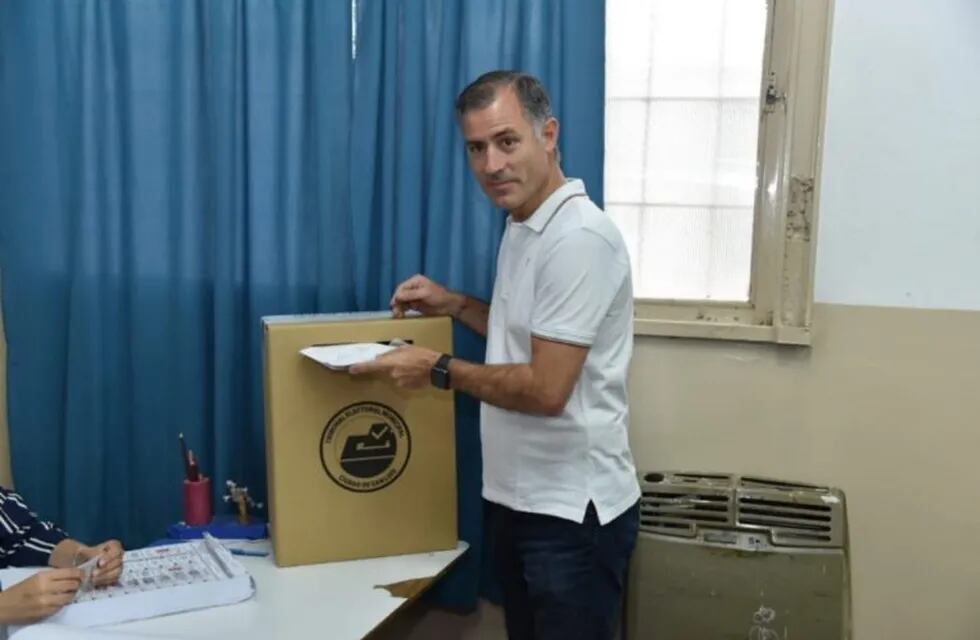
(197, 501)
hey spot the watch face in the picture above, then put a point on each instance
(439, 375)
(440, 378)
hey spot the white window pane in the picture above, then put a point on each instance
(736, 163)
(681, 153)
(627, 48)
(729, 270)
(699, 153)
(686, 37)
(692, 253)
(625, 124)
(676, 253)
(743, 48)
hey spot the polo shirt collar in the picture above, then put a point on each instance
(543, 214)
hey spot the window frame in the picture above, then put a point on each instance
(793, 90)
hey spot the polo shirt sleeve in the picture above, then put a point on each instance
(578, 278)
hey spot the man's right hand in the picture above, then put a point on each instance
(418, 293)
(40, 596)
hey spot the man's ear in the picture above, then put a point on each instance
(549, 133)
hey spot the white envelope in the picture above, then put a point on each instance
(342, 356)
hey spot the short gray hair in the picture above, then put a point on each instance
(532, 94)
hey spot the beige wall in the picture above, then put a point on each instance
(886, 405)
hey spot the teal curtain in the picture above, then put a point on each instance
(170, 171)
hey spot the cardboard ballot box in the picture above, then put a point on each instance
(357, 467)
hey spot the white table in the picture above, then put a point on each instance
(338, 600)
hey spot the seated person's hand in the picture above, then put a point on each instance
(110, 564)
(40, 596)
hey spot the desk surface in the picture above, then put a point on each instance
(338, 600)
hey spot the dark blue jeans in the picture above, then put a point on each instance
(562, 579)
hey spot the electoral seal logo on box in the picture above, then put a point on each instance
(365, 446)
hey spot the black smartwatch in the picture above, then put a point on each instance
(439, 375)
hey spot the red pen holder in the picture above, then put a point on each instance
(197, 502)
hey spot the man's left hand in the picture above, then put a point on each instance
(110, 564)
(409, 367)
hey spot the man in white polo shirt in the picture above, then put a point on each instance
(558, 475)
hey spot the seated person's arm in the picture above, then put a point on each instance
(29, 541)
(26, 540)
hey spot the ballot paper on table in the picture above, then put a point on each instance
(155, 581)
(342, 356)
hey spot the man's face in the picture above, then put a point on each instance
(509, 160)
